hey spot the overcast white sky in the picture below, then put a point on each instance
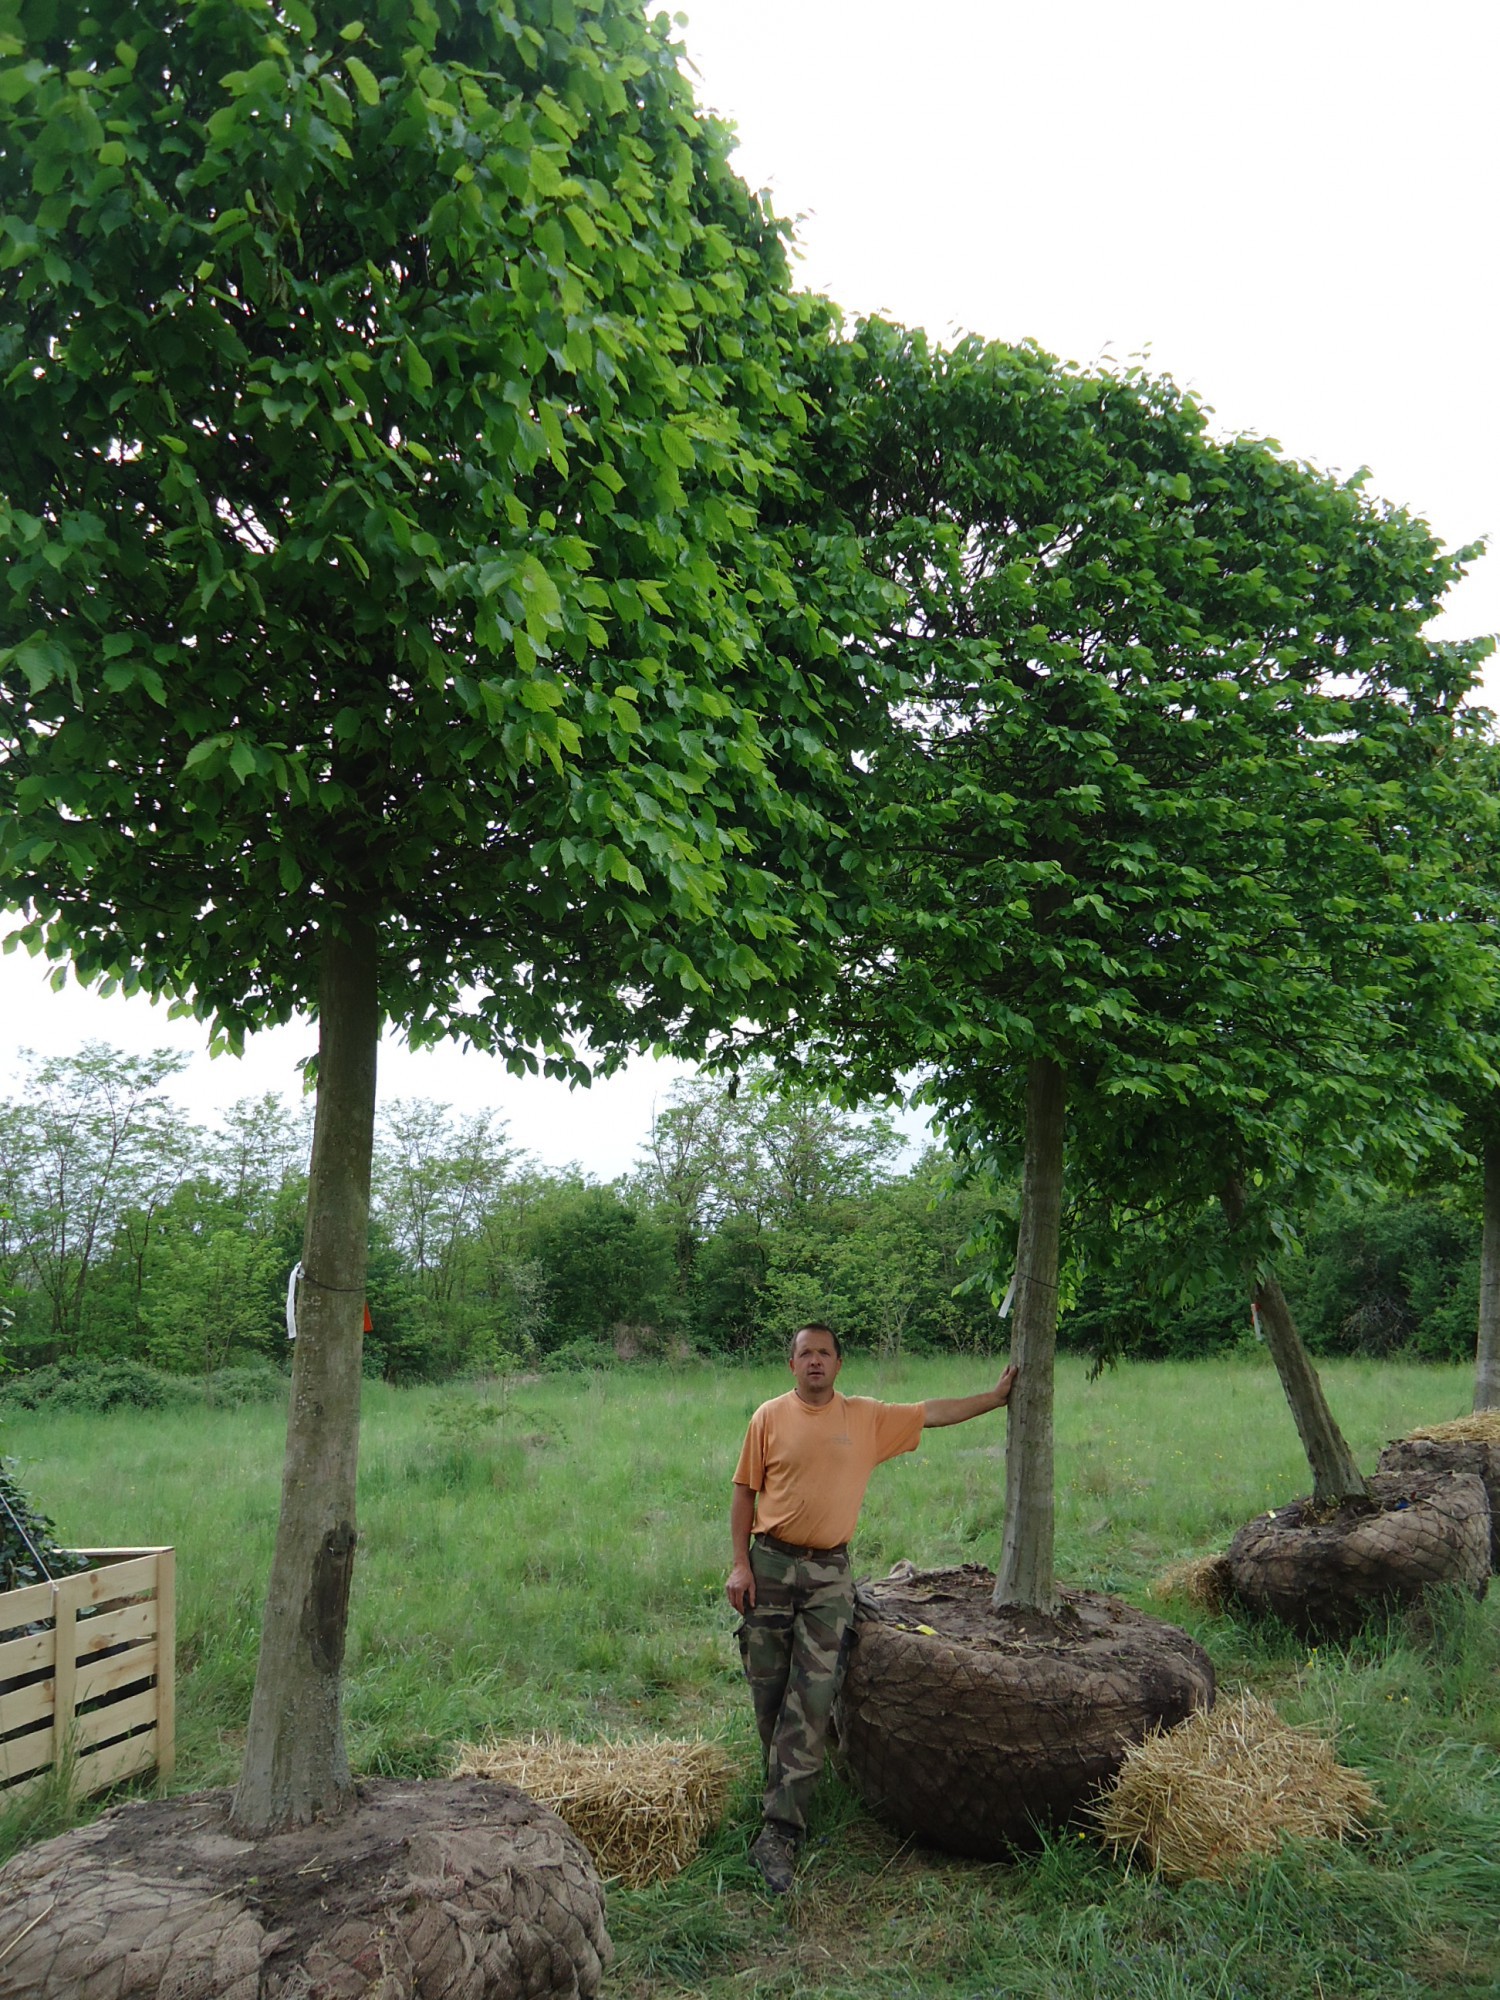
(1290, 206)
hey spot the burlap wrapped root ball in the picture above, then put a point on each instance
(973, 1729)
(641, 1807)
(420, 1891)
(1324, 1575)
(1225, 1785)
(1467, 1444)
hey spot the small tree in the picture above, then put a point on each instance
(402, 614)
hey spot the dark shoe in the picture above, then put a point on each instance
(774, 1856)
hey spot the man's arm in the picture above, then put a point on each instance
(740, 1588)
(939, 1410)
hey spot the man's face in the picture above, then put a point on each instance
(815, 1365)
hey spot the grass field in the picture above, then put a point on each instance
(551, 1556)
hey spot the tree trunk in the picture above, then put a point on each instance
(1487, 1353)
(296, 1768)
(1336, 1477)
(1025, 1576)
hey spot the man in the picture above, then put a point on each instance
(802, 1474)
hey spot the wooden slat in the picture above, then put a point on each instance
(12, 1793)
(136, 1578)
(121, 1573)
(104, 1724)
(116, 1761)
(24, 1705)
(25, 1753)
(25, 1607)
(126, 1625)
(104, 1676)
(65, 1666)
(24, 1656)
(117, 1555)
(166, 1662)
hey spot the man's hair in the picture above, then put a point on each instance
(814, 1326)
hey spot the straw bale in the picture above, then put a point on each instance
(1483, 1427)
(640, 1807)
(1228, 1783)
(1202, 1580)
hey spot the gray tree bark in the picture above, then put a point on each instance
(1336, 1477)
(1025, 1574)
(296, 1768)
(1487, 1351)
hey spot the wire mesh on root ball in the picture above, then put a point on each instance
(1324, 1572)
(640, 1807)
(1468, 1444)
(1226, 1784)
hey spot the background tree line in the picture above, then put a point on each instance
(129, 1233)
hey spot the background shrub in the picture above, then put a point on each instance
(97, 1387)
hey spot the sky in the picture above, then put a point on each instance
(1287, 207)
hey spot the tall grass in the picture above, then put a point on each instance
(551, 1555)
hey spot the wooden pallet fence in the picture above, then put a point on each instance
(87, 1674)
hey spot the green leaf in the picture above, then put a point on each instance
(17, 80)
(552, 431)
(418, 371)
(542, 598)
(677, 447)
(583, 225)
(201, 752)
(43, 661)
(363, 79)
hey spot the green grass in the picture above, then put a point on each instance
(552, 1557)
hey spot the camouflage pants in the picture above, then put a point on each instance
(792, 1642)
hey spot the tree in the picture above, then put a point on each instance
(1469, 1061)
(753, 1178)
(257, 1160)
(604, 1267)
(90, 1150)
(683, 1166)
(1155, 812)
(209, 1298)
(764, 1148)
(435, 1182)
(405, 616)
(433, 1179)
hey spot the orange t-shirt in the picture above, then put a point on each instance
(809, 1467)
